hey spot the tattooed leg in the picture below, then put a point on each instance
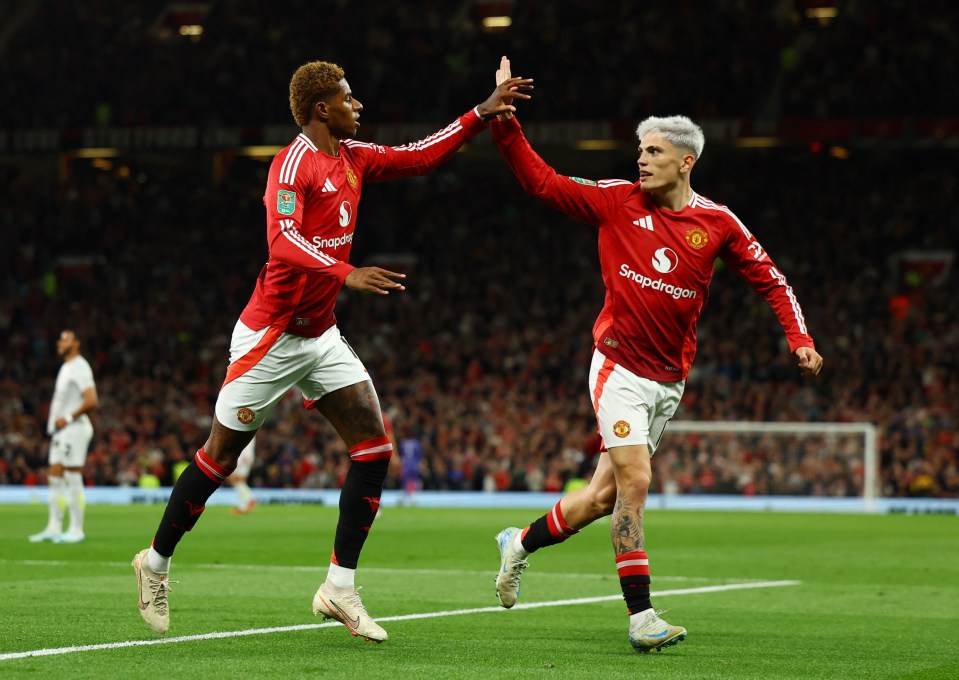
(627, 531)
(633, 472)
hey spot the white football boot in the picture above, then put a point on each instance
(45, 535)
(152, 598)
(511, 567)
(648, 632)
(345, 606)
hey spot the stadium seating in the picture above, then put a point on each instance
(484, 358)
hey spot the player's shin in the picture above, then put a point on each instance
(188, 501)
(360, 498)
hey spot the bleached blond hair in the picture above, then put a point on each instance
(677, 130)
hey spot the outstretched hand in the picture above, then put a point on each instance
(810, 362)
(500, 103)
(503, 72)
(374, 280)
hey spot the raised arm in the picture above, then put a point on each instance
(584, 199)
(379, 163)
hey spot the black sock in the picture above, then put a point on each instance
(359, 501)
(549, 529)
(187, 502)
(633, 569)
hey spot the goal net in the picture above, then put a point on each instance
(768, 459)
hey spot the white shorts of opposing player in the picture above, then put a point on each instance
(68, 447)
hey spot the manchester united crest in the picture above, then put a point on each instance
(351, 177)
(697, 237)
(621, 429)
(245, 416)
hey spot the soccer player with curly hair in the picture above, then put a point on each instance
(287, 335)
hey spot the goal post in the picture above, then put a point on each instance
(774, 445)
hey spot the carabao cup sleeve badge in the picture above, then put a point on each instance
(285, 202)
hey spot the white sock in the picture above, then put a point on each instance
(158, 562)
(76, 500)
(243, 494)
(518, 546)
(56, 501)
(341, 577)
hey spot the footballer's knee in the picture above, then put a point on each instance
(600, 501)
(224, 445)
(638, 482)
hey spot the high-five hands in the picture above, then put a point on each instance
(503, 73)
(508, 88)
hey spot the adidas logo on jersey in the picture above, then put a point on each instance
(645, 222)
(328, 186)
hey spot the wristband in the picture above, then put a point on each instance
(68, 418)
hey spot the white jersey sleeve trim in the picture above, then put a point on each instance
(793, 302)
(698, 201)
(294, 236)
(435, 138)
(292, 161)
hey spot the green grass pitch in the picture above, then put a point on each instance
(878, 597)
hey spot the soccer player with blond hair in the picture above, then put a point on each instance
(658, 241)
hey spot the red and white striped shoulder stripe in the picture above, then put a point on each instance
(608, 183)
(300, 146)
(697, 201)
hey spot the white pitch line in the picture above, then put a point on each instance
(405, 617)
(373, 570)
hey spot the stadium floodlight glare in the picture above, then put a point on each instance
(191, 30)
(596, 145)
(758, 142)
(822, 12)
(97, 152)
(260, 151)
(497, 22)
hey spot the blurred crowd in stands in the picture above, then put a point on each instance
(756, 58)
(484, 359)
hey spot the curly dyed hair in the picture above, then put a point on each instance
(312, 82)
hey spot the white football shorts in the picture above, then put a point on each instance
(630, 410)
(265, 364)
(68, 446)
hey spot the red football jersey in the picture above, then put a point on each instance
(311, 204)
(656, 263)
